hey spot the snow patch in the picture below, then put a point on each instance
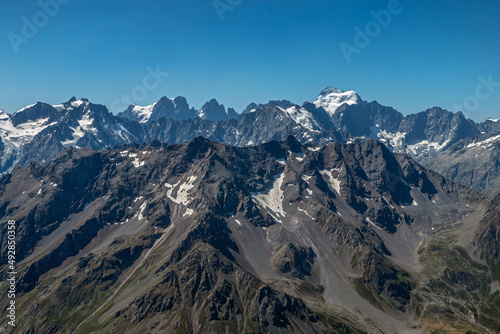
(139, 213)
(485, 142)
(182, 193)
(272, 199)
(426, 146)
(143, 114)
(334, 182)
(396, 140)
(22, 133)
(188, 212)
(302, 210)
(368, 220)
(137, 163)
(303, 118)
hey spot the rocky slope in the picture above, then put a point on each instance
(474, 163)
(278, 238)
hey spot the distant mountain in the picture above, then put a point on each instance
(38, 132)
(177, 109)
(213, 111)
(331, 99)
(472, 162)
(276, 238)
(490, 125)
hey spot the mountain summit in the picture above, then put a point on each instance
(332, 98)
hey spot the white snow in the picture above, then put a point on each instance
(485, 142)
(188, 212)
(139, 215)
(385, 199)
(426, 146)
(491, 120)
(182, 193)
(143, 114)
(137, 163)
(396, 140)
(58, 107)
(23, 109)
(314, 149)
(332, 98)
(76, 104)
(22, 133)
(302, 117)
(334, 182)
(237, 222)
(85, 124)
(302, 210)
(272, 199)
(368, 220)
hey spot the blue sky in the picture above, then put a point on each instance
(431, 53)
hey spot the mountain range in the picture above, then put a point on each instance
(281, 237)
(334, 216)
(37, 132)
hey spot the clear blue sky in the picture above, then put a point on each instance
(430, 54)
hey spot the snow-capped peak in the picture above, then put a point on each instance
(489, 119)
(23, 109)
(332, 98)
(77, 103)
(143, 113)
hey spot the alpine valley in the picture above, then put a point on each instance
(336, 216)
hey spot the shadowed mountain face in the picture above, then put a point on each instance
(277, 238)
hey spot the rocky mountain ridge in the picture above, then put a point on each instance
(277, 238)
(38, 132)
